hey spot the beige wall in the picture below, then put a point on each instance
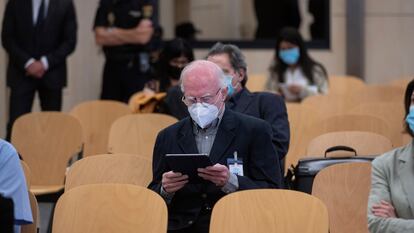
(389, 49)
(389, 40)
(334, 59)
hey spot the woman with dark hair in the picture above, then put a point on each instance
(293, 73)
(391, 200)
(175, 55)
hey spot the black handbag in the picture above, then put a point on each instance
(301, 177)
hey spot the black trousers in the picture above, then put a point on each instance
(21, 101)
(122, 79)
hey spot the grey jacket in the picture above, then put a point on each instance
(393, 181)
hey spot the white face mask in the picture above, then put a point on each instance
(203, 114)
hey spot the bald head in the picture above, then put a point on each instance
(203, 78)
(202, 73)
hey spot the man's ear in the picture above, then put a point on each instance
(224, 93)
(241, 75)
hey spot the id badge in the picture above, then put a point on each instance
(235, 166)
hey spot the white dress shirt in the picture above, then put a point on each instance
(296, 77)
(36, 5)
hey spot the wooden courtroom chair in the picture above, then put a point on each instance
(301, 118)
(392, 112)
(34, 227)
(270, 211)
(136, 133)
(365, 143)
(27, 173)
(344, 188)
(256, 82)
(377, 93)
(329, 105)
(46, 141)
(110, 208)
(113, 168)
(351, 122)
(343, 85)
(96, 118)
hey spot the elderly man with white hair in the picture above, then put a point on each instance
(239, 147)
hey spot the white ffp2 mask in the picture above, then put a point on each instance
(203, 114)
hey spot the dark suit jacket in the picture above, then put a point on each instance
(269, 107)
(263, 105)
(58, 40)
(249, 136)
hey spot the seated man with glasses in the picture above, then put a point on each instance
(239, 146)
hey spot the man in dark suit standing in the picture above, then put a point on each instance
(224, 136)
(38, 36)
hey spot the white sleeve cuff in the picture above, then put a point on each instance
(29, 62)
(232, 184)
(45, 62)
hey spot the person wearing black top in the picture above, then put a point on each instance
(124, 29)
(6, 215)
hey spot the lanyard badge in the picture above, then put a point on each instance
(235, 165)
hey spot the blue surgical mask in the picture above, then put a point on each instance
(290, 56)
(230, 88)
(410, 118)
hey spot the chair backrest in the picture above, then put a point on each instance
(27, 173)
(344, 188)
(256, 82)
(113, 168)
(342, 85)
(136, 133)
(270, 211)
(329, 105)
(110, 208)
(377, 93)
(365, 143)
(392, 112)
(46, 141)
(96, 118)
(32, 228)
(301, 118)
(351, 122)
(145, 102)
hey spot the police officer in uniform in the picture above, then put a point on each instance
(124, 29)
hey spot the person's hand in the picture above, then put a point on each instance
(218, 174)
(384, 210)
(36, 70)
(295, 89)
(172, 182)
(144, 31)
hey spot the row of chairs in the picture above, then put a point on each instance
(341, 85)
(102, 195)
(48, 140)
(371, 108)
